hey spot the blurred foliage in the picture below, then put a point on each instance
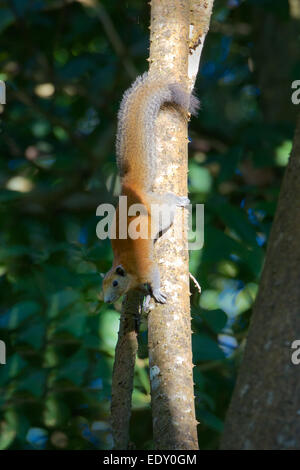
(64, 83)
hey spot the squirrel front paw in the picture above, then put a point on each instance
(159, 296)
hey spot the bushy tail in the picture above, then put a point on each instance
(135, 147)
(188, 101)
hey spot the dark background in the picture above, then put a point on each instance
(66, 67)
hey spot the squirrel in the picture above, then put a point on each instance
(134, 266)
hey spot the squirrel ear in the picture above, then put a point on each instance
(120, 270)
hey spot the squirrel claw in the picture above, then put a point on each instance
(159, 297)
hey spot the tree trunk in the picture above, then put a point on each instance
(272, 72)
(265, 408)
(170, 352)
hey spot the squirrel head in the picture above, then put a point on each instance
(116, 282)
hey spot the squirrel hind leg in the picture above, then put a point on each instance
(154, 285)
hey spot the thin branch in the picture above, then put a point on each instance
(123, 371)
(196, 283)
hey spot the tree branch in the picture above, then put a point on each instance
(170, 352)
(123, 371)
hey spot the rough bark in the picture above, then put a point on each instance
(123, 371)
(265, 408)
(170, 352)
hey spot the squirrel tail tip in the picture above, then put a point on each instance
(187, 101)
(195, 104)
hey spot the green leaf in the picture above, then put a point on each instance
(62, 300)
(221, 247)
(209, 299)
(76, 67)
(7, 435)
(283, 153)
(200, 179)
(89, 280)
(74, 323)
(216, 319)
(205, 349)
(235, 219)
(209, 419)
(13, 251)
(7, 195)
(14, 365)
(142, 378)
(199, 378)
(33, 335)
(74, 368)
(108, 329)
(92, 342)
(102, 368)
(6, 18)
(96, 253)
(140, 400)
(34, 383)
(15, 317)
(205, 399)
(17, 421)
(56, 412)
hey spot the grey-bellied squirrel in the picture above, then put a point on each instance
(134, 266)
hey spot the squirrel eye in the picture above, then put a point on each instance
(115, 283)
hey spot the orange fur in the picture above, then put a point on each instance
(135, 255)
